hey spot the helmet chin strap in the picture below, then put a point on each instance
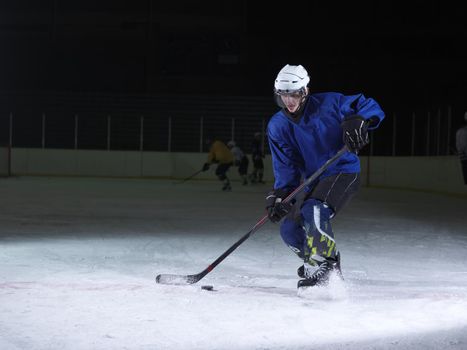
(302, 101)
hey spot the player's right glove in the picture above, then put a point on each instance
(275, 207)
(206, 166)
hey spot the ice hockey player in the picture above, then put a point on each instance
(307, 131)
(220, 154)
(461, 146)
(240, 160)
(257, 156)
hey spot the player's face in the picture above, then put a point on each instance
(292, 101)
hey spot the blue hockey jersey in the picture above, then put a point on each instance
(299, 148)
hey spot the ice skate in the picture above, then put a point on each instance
(260, 178)
(318, 276)
(253, 179)
(227, 187)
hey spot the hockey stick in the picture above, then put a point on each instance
(189, 177)
(190, 279)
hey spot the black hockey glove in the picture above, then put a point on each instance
(206, 166)
(275, 207)
(355, 133)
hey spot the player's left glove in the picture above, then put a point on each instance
(355, 133)
(206, 167)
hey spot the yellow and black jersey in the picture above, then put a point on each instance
(220, 153)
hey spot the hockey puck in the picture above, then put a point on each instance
(207, 287)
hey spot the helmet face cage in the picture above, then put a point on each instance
(300, 93)
(293, 93)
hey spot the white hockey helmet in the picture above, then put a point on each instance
(231, 144)
(291, 79)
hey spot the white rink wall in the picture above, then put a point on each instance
(438, 174)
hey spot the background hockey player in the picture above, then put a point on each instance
(220, 154)
(257, 156)
(240, 160)
(303, 135)
(461, 146)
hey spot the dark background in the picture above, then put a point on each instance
(409, 57)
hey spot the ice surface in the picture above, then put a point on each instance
(79, 257)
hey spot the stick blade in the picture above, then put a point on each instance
(176, 279)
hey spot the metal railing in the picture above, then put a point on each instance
(118, 132)
(181, 125)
